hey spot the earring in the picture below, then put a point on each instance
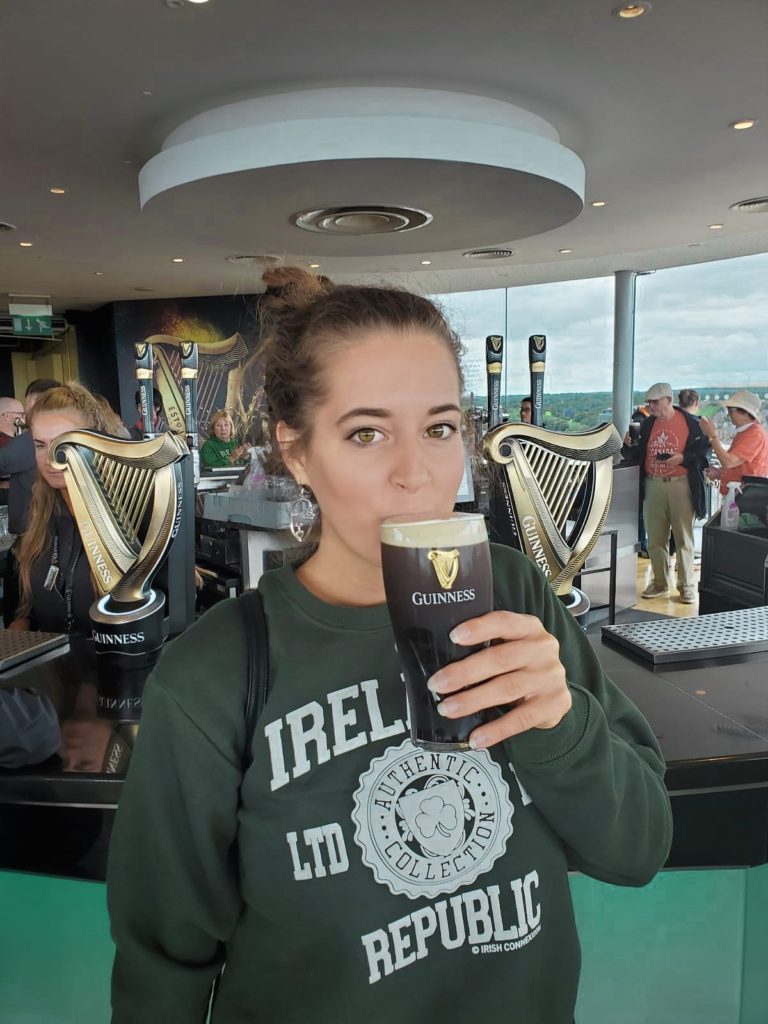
(304, 513)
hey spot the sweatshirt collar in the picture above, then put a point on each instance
(373, 617)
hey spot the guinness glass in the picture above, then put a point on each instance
(437, 573)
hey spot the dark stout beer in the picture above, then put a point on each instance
(437, 573)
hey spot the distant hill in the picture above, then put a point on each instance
(581, 410)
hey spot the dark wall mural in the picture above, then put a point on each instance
(226, 330)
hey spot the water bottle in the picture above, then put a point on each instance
(729, 512)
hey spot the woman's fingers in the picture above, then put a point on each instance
(521, 668)
(533, 714)
(520, 640)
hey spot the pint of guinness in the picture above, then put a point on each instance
(437, 573)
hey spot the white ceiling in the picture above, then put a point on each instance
(644, 103)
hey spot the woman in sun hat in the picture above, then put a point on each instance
(748, 454)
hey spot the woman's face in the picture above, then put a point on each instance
(223, 429)
(386, 440)
(47, 426)
(738, 417)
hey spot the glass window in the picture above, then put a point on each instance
(704, 327)
(576, 317)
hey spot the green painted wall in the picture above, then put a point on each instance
(670, 953)
(55, 951)
(690, 948)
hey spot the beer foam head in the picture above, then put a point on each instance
(460, 529)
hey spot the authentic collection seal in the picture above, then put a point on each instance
(428, 823)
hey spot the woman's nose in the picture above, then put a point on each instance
(409, 470)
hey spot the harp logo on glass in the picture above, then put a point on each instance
(446, 566)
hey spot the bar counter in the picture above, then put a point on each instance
(711, 723)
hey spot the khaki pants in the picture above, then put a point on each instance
(668, 505)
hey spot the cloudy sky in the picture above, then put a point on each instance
(701, 325)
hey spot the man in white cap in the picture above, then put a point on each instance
(748, 454)
(671, 452)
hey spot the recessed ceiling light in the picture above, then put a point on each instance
(146, 92)
(177, 259)
(740, 126)
(140, 289)
(598, 202)
(634, 10)
(5, 226)
(57, 191)
(26, 245)
(565, 250)
(489, 254)
(694, 245)
(98, 273)
(314, 266)
(426, 263)
(198, 1)
(714, 227)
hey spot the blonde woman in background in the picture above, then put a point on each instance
(56, 587)
(221, 448)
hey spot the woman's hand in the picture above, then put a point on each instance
(675, 460)
(521, 671)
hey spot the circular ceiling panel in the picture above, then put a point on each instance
(360, 168)
(472, 206)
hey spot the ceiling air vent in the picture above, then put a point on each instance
(362, 220)
(758, 205)
(268, 261)
(489, 254)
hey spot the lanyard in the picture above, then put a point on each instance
(51, 578)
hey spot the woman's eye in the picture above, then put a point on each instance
(440, 431)
(365, 435)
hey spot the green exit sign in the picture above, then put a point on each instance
(39, 326)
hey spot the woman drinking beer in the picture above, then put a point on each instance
(347, 874)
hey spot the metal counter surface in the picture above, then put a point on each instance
(94, 754)
(711, 723)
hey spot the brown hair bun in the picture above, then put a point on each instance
(288, 288)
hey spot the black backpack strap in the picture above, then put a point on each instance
(252, 610)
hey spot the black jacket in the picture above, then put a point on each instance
(17, 460)
(694, 458)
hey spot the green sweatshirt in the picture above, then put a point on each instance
(215, 453)
(350, 876)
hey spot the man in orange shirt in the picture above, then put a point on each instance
(748, 454)
(671, 451)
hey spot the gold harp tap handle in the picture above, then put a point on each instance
(558, 488)
(173, 403)
(126, 496)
